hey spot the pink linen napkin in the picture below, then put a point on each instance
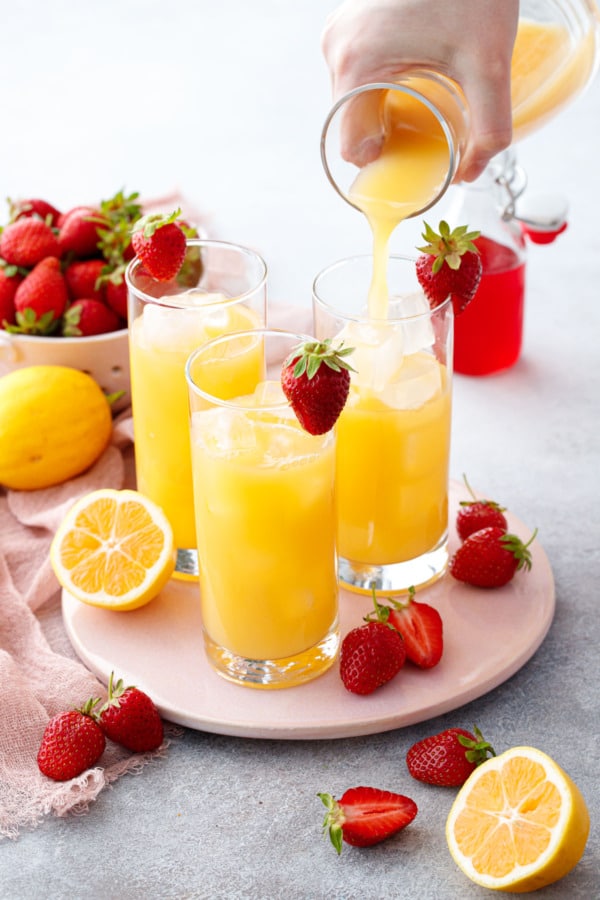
(39, 672)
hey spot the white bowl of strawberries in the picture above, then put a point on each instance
(63, 297)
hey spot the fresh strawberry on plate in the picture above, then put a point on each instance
(420, 625)
(475, 514)
(490, 558)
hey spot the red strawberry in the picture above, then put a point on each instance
(316, 380)
(8, 288)
(86, 317)
(475, 514)
(41, 298)
(448, 758)
(116, 293)
(370, 656)
(450, 265)
(72, 742)
(78, 233)
(20, 209)
(490, 557)
(421, 628)
(82, 277)
(364, 816)
(130, 718)
(27, 242)
(160, 243)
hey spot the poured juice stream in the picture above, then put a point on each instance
(408, 173)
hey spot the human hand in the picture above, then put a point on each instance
(365, 42)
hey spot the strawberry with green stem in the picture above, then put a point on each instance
(450, 265)
(371, 654)
(476, 514)
(87, 316)
(41, 299)
(130, 718)
(420, 625)
(364, 816)
(316, 380)
(28, 241)
(159, 242)
(490, 558)
(448, 758)
(72, 742)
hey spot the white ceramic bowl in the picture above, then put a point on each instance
(103, 356)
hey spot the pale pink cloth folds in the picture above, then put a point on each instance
(39, 673)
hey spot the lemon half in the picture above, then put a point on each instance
(113, 549)
(518, 823)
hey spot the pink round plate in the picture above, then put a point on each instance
(488, 636)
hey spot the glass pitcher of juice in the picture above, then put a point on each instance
(424, 115)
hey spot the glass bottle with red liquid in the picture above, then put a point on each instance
(488, 334)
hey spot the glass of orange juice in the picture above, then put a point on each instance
(221, 288)
(393, 436)
(265, 516)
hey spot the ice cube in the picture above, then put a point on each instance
(378, 351)
(194, 297)
(181, 327)
(419, 379)
(414, 310)
(268, 393)
(223, 432)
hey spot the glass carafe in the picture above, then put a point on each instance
(555, 57)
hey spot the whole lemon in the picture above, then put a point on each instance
(54, 423)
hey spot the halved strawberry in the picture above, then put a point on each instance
(419, 624)
(364, 816)
(316, 380)
(450, 265)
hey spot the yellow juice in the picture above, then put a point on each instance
(393, 452)
(548, 69)
(265, 513)
(392, 455)
(394, 434)
(406, 176)
(161, 339)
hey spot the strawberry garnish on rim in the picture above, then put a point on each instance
(160, 243)
(316, 380)
(450, 265)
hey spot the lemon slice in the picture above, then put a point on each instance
(518, 823)
(113, 549)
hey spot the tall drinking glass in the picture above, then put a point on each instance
(221, 288)
(265, 515)
(393, 436)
